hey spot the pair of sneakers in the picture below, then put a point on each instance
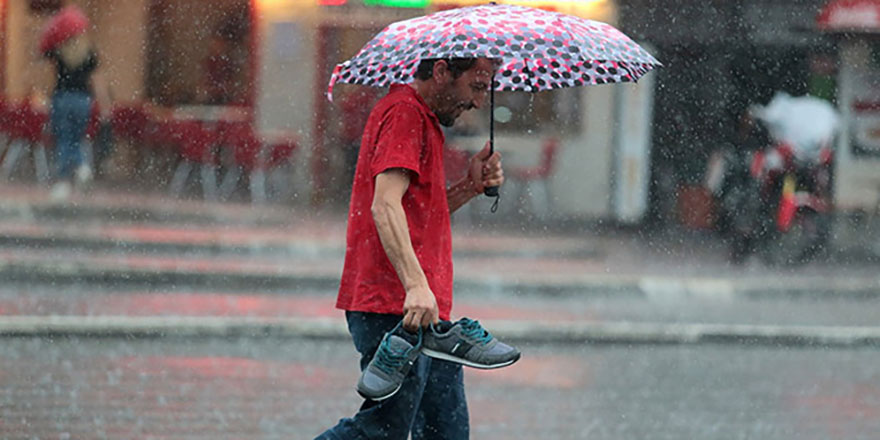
(465, 342)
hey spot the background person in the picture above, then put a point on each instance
(66, 43)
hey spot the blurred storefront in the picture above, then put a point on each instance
(720, 57)
(273, 58)
(172, 52)
(855, 27)
(118, 32)
(602, 165)
(170, 59)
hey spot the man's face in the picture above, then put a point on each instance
(466, 92)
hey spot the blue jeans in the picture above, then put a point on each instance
(69, 117)
(430, 404)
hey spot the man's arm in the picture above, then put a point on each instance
(420, 305)
(460, 193)
(484, 170)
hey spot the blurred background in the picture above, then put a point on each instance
(672, 260)
(634, 154)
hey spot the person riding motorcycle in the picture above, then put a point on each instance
(776, 194)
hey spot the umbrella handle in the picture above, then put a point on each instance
(491, 191)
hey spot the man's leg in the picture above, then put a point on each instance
(392, 418)
(443, 412)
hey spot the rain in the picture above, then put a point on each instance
(685, 243)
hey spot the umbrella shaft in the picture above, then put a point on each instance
(492, 118)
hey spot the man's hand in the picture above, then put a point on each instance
(485, 170)
(419, 309)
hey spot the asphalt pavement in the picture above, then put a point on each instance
(266, 388)
(129, 315)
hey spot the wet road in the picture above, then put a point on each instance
(95, 300)
(272, 389)
(269, 388)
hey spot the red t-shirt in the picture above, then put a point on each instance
(401, 132)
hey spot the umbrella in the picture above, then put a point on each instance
(539, 50)
(806, 123)
(64, 25)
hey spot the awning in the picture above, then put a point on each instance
(850, 16)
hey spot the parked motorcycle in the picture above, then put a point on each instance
(797, 204)
(776, 200)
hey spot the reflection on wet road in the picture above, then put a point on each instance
(270, 388)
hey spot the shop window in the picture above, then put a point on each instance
(865, 96)
(199, 54)
(44, 6)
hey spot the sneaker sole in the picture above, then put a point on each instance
(379, 398)
(448, 357)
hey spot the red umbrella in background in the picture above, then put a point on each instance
(64, 25)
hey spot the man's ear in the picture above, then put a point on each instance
(441, 71)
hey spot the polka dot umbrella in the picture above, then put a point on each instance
(539, 50)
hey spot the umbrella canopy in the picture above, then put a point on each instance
(806, 123)
(64, 25)
(540, 50)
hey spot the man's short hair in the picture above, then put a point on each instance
(457, 66)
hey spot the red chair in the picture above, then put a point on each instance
(279, 162)
(281, 152)
(94, 124)
(3, 117)
(195, 144)
(529, 179)
(246, 146)
(90, 141)
(4, 127)
(25, 128)
(254, 156)
(130, 122)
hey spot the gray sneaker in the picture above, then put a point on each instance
(389, 366)
(467, 343)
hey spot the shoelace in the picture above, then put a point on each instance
(473, 330)
(389, 360)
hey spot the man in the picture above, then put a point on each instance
(398, 262)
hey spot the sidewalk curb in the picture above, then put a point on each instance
(292, 249)
(513, 331)
(55, 274)
(592, 286)
(295, 249)
(151, 212)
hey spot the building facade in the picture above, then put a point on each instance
(619, 143)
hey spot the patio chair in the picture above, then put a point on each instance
(535, 179)
(25, 129)
(195, 145)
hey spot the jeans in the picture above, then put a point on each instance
(430, 404)
(69, 117)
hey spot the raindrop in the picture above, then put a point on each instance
(503, 114)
